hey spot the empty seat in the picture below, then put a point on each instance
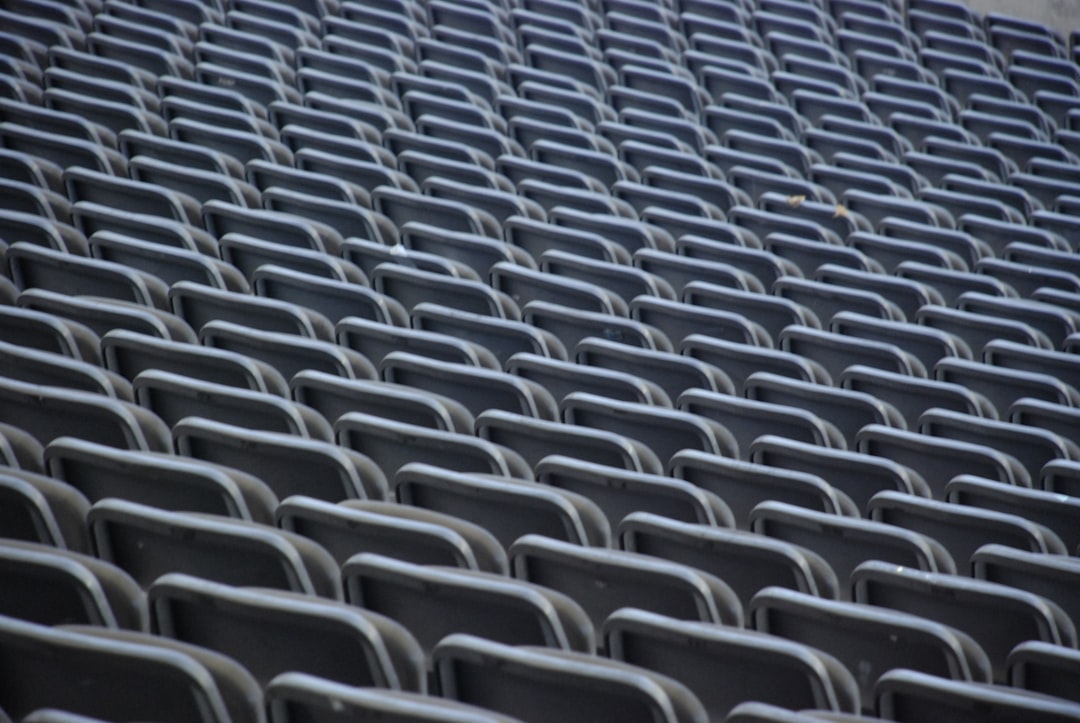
(174, 397)
(483, 603)
(199, 305)
(58, 370)
(505, 509)
(1039, 507)
(159, 480)
(128, 676)
(291, 696)
(1043, 668)
(1003, 386)
(53, 586)
(905, 690)
(289, 354)
(499, 338)
(845, 542)
(391, 445)
(938, 460)
(298, 633)
(749, 419)
(562, 378)
(555, 685)
(571, 326)
(743, 485)
(476, 388)
(996, 616)
(847, 410)
(99, 316)
(41, 510)
(375, 340)
(147, 543)
(869, 639)
(620, 492)
(912, 396)
(740, 361)
(1032, 447)
(332, 395)
(748, 563)
(836, 352)
(164, 262)
(674, 373)
(678, 320)
(629, 580)
(50, 412)
(535, 439)
(962, 529)
(287, 463)
(724, 667)
(665, 431)
(524, 285)
(35, 267)
(413, 534)
(129, 353)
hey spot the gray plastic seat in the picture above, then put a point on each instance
(299, 633)
(391, 445)
(1005, 616)
(765, 668)
(748, 563)
(413, 534)
(560, 686)
(535, 439)
(54, 586)
(630, 580)
(869, 639)
(849, 411)
(174, 397)
(288, 464)
(147, 543)
(132, 676)
(485, 604)
(159, 480)
(293, 696)
(932, 695)
(505, 507)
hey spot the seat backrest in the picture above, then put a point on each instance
(476, 388)
(937, 459)
(391, 445)
(505, 507)
(553, 686)
(998, 617)
(960, 701)
(619, 492)
(294, 697)
(868, 639)
(769, 669)
(845, 542)
(296, 632)
(486, 604)
(51, 412)
(124, 679)
(146, 543)
(288, 464)
(747, 562)
(602, 581)
(743, 485)
(413, 534)
(53, 586)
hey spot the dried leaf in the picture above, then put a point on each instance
(795, 201)
(841, 211)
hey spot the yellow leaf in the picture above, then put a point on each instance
(841, 211)
(795, 201)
